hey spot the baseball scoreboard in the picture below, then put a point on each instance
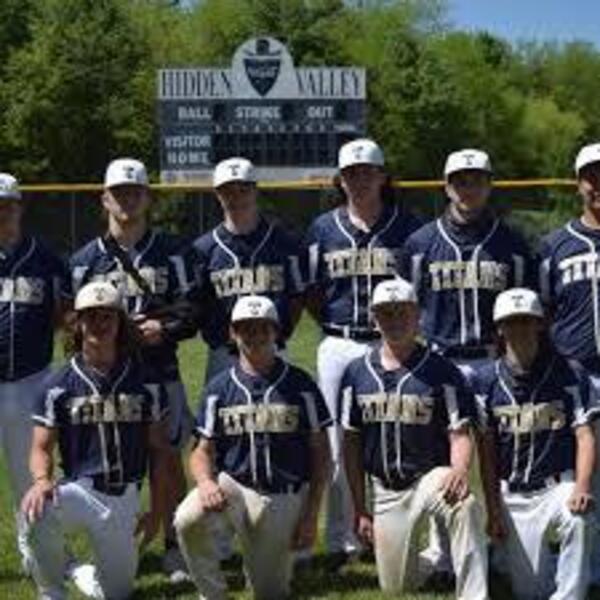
(289, 121)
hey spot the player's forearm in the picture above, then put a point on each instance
(41, 463)
(320, 465)
(488, 469)
(354, 469)
(461, 449)
(201, 462)
(586, 457)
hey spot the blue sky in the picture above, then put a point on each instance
(563, 20)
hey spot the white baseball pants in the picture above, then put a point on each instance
(110, 524)
(525, 554)
(333, 356)
(265, 525)
(397, 516)
(16, 427)
(437, 553)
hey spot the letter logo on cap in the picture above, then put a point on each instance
(358, 150)
(518, 300)
(100, 296)
(469, 159)
(234, 168)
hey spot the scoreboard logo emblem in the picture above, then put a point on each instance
(263, 66)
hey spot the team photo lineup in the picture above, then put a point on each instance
(449, 434)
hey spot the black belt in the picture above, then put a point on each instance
(100, 484)
(540, 484)
(468, 352)
(274, 488)
(359, 335)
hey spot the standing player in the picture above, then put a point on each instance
(245, 254)
(539, 455)
(350, 249)
(261, 461)
(408, 413)
(148, 266)
(459, 263)
(570, 286)
(34, 288)
(98, 412)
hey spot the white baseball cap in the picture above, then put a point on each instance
(99, 294)
(9, 187)
(469, 159)
(393, 291)
(254, 307)
(125, 171)
(586, 156)
(517, 302)
(234, 169)
(360, 152)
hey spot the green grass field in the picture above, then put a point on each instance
(355, 581)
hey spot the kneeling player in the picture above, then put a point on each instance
(261, 461)
(407, 414)
(98, 411)
(538, 455)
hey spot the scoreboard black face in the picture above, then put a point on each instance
(286, 133)
(262, 108)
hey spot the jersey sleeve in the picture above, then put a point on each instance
(44, 409)
(481, 395)
(157, 403)
(544, 264)
(459, 401)
(317, 414)
(350, 415)
(525, 272)
(206, 424)
(584, 408)
(311, 257)
(61, 280)
(295, 282)
(410, 265)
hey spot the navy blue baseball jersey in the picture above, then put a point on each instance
(532, 416)
(32, 282)
(159, 258)
(101, 420)
(265, 262)
(346, 263)
(569, 273)
(261, 425)
(458, 271)
(404, 416)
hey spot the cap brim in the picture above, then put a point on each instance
(519, 314)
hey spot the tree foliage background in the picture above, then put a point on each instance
(77, 82)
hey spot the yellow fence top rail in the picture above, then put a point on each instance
(303, 184)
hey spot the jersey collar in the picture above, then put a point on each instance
(259, 383)
(413, 360)
(97, 380)
(389, 212)
(255, 234)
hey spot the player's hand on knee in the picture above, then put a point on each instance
(364, 528)
(34, 501)
(580, 502)
(212, 497)
(455, 486)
